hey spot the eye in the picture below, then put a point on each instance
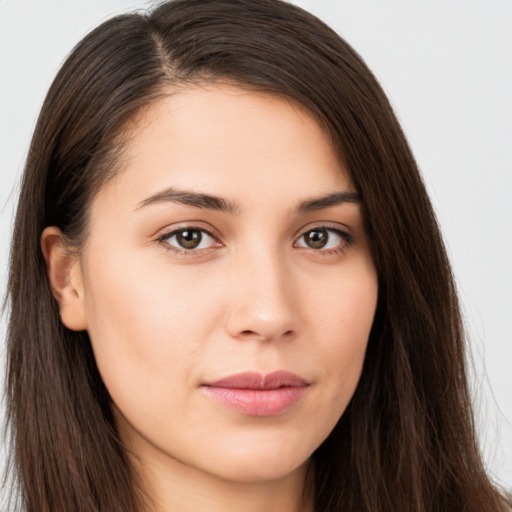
(189, 239)
(324, 238)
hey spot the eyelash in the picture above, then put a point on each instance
(346, 240)
(163, 240)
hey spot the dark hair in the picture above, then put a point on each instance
(406, 441)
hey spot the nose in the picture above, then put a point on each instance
(263, 299)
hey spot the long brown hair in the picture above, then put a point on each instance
(407, 440)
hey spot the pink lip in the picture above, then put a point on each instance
(256, 394)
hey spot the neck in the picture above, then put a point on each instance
(175, 486)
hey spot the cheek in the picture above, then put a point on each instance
(343, 320)
(344, 307)
(145, 328)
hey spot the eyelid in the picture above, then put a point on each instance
(184, 226)
(340, 230)
(327, 225)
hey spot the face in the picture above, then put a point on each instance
(228, 287)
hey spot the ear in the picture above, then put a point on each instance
(66, 280)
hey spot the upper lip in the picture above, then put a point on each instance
(256, 380)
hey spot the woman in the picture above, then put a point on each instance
(229, 290)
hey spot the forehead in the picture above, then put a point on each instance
(229, 142)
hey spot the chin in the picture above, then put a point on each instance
(260, 461)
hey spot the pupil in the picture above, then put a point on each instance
(317, 239)
(189, 239)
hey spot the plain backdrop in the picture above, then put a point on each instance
(447, 68)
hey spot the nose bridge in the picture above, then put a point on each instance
(264, 304)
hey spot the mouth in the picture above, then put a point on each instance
(256, 394)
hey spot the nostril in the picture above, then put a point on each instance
(251, 334)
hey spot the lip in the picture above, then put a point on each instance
(257, 394)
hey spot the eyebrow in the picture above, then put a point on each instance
(210, 202)
(188, 198)
(334, 199)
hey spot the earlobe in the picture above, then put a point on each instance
(66, 280)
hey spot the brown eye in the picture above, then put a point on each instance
(189, 238)
(316, 238)
(324, 238)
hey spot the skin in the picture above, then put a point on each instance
(254, 296)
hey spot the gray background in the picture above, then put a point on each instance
(447, 68)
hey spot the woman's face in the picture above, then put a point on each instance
(227, 285)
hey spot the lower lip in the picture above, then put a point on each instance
(257, 402)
